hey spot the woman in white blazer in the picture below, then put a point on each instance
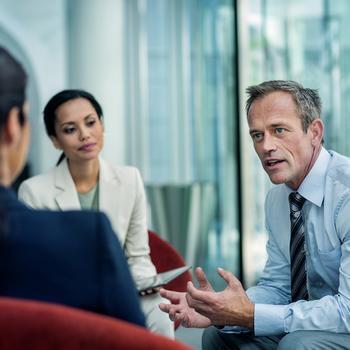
(82, 180)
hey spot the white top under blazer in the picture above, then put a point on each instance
(121, 196)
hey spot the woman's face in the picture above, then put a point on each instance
(79, 131)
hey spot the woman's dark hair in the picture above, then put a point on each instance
(60, 98)
(13, 80)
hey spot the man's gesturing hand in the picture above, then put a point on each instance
(229, 307)
(178, 309)
(201, 307)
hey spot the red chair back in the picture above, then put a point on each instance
(35, 325)
(165, 257)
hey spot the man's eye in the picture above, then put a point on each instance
(257, 136)
(280, 130)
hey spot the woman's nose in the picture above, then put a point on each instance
(84, 134)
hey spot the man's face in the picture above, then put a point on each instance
(286, 152)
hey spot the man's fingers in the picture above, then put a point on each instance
(196, 294)
(175, 311)
(173, 297)
(165, 307)
(229, 278)
(170, 308)
(204, 284)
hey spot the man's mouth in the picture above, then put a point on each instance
(273, 162)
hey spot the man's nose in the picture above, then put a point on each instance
(269, 143)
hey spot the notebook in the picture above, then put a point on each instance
(160, 279)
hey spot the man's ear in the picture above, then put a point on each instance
(317, 129)
(12, 129)
(55, 142)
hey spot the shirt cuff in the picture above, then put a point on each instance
(269, 319)
(234, 329)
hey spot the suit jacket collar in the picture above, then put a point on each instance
(67, 196)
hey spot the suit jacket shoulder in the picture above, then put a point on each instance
(71, 257)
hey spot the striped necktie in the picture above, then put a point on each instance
(297, 248)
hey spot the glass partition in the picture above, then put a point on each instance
(306, 41)
(181, 122)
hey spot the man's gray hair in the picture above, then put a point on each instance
(307, 101)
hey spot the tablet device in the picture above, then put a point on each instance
(160, 279)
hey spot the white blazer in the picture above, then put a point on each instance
(121, 196)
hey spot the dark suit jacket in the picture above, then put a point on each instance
(71, 258)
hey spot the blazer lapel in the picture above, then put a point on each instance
(111, 199)
(67, 196)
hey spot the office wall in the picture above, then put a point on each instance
(62, 44)
(34, 31)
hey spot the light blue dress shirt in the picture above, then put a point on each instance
(327, 238)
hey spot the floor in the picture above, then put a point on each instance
(190, 336)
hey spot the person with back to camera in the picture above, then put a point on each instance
(70, 258)
(302, 300)
(83, 180)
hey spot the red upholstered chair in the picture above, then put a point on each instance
(35, 325)
(165, 257)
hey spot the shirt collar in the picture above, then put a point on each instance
(313, 186)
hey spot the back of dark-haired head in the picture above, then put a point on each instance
(61, 98)
(13, 80)
(308, 102)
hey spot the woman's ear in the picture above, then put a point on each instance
(55, 142)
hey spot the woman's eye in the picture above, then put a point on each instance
(91, 122)
(69, 130)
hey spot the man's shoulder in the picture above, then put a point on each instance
(339, 169)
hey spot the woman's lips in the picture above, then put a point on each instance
(87, 147)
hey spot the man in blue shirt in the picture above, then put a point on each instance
(302, 300)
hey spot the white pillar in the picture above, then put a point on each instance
(96, 55)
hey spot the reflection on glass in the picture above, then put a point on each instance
(306, 41)
(181, 118)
